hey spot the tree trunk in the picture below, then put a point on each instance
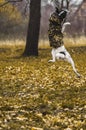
(31, 48)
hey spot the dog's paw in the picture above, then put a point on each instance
(78, 75)
(51, 61)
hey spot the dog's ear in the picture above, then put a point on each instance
(57, 10)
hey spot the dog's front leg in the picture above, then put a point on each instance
(53, 56)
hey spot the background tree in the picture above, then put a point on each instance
(31, 48)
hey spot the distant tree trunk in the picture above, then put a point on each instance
(31, 48)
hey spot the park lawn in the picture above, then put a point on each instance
(37, 95)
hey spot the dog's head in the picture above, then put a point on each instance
(63, 13)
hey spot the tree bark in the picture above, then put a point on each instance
(31, 48)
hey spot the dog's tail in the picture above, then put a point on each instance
(64, 26)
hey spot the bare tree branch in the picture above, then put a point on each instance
(61, 4)
(67, 1)
(10, 1)
(26, 6)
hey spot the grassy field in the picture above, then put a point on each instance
(37, 95)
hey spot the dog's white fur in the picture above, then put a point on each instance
(56, 54)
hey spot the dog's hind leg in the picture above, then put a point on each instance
(70, 60)
(53, 56)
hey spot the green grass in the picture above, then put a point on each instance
(37, 95)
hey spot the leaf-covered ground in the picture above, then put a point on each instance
(37, 95)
